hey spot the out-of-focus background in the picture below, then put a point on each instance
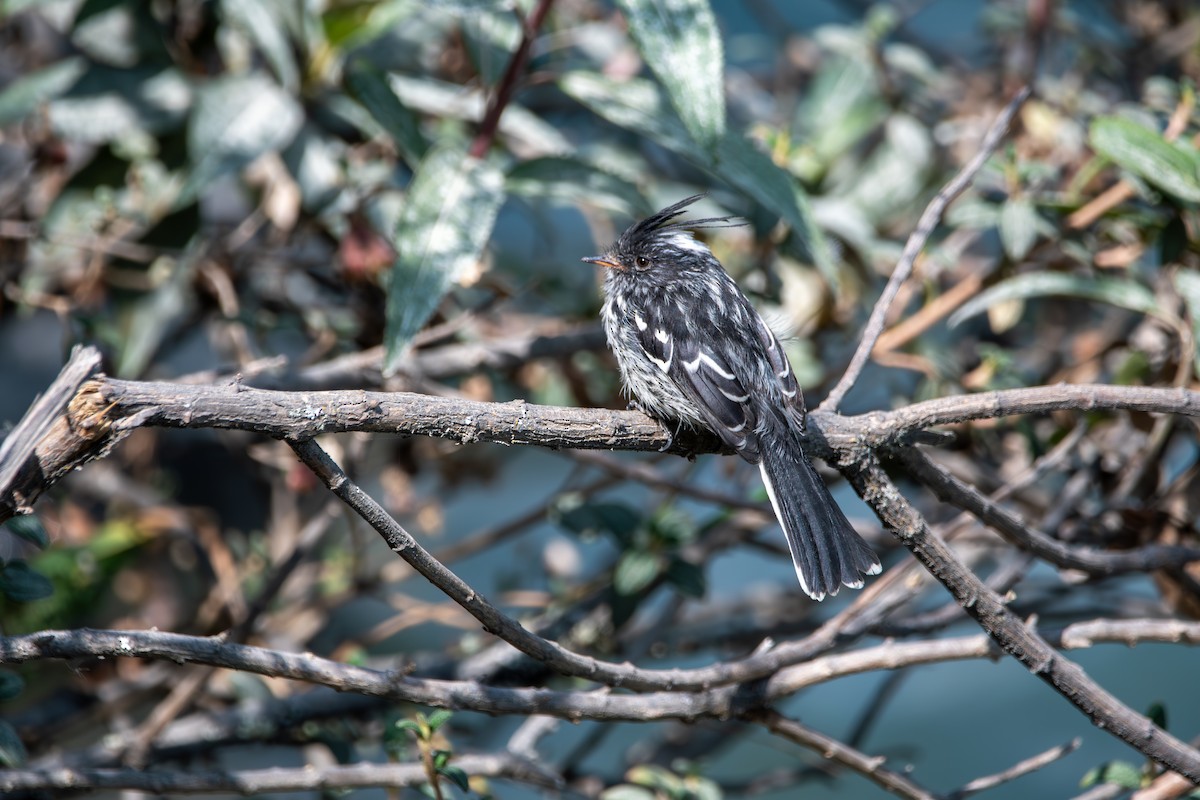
(282, 190)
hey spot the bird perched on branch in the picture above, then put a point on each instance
(692, 348)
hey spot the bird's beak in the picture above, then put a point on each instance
(603, 261)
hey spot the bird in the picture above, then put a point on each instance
(692, 350)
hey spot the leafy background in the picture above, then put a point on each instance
(329, 194)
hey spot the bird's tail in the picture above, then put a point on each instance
(826, 550)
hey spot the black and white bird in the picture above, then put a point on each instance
(691, 348)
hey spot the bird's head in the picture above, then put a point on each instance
(656, 244)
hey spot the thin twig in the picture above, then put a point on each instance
(508, 83)
(916, 243)
(1031, 764)
(870, 767)
(1014, 530)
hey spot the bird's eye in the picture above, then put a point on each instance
(642, 262)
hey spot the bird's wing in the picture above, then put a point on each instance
(705, 375)
(792, 394)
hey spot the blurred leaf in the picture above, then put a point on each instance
(438, 718)
(687, 577)
(839, 108)
(491, 35)
(233, 122)
(655, 777)
(348, 26)
(1121, 773)
(1018, 227)
(973, 212)
(29, 528)
(27, 93)
(635, 570)
(370, 87)
(639, 106)
(1157, 713)
(121, 34)
(571, 181)
(11, 684)
(109, 103)
(1174, 240)
(315, 161)
(448, 101)
(408, 726)
(702, 788)
(1114, 291)
(616, 519)
(679, 41)
(264, 22)
(1170, 166)
(159, 313)
(12, 749)
(457, 776)
(445, 225)
(627, 792)
(1187, 283)
(20, 583)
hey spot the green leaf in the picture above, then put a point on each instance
(370, 87)
(158, 314)
(679, 41)
(616, 519)
(29, 528)
(568, 180)
(263, 22)
(702, 788)
(26, 94)
(491, 36)
(12, 749)
(635, 570)
(1018, 227)
(1121, 773)
(234, 121)
(638, 106)
(457, 775)
(1170, 166)
(1157, 713)
(349, 26)
(687, 577)
(1187, 283)
(110, 103)
(655, 777)
(627, 792)
(1114, 291)
(11, 684)
(22, 584)
(408, 726)
(447, 220)
(438, 718)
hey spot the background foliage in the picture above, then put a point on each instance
(395, 194)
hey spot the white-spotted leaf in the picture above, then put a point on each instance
(1018, 227)
(679, 41)
(1114, 291)
(639, 106)
(443, 229)
(1170, 166)
(234, 121)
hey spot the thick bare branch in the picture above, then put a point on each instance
(257, 781)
